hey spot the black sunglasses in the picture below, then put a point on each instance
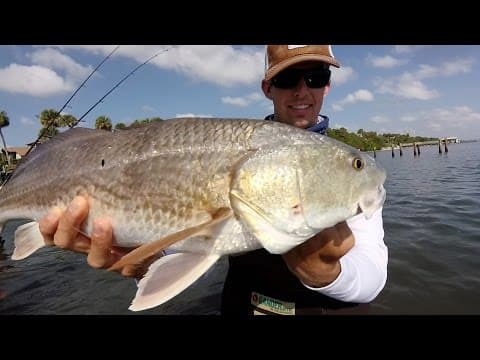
(288, 79)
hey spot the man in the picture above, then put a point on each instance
(339, 267)
(333, 272)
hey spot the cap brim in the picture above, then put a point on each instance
(274, 70)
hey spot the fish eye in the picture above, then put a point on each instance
(357, 163)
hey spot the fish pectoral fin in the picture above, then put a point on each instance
(28, 239)
(169, 276)
(144, 252)
(272, 239)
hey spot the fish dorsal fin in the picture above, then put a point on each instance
(169, 276)
(143, 252)
(28, 239)
(78, 133)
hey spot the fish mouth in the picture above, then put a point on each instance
(372, 201)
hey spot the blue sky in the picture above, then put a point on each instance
(423, 90)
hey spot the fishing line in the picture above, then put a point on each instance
(99, 101)
(52, 121)
(118, 84)
(71, 97)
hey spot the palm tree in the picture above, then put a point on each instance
(50, 117)
(67, 120)
(120, 126)
(51, 120)
(46, 133)
(103, 123)
(4, 121)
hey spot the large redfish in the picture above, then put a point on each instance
(202, 187)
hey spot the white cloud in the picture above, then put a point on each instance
(443, 120)
(256, 96)
(51, 73)
(223, 65)
(342, 75)
(408, 118)
(406, 49)
(243, 101)
(54, 59)
(386, 61)
(357, 96)
(461, 121)
(447, 68)
(337, 107)
(27, 121)
(380, 119)
(32, 80)
(236, 101)
(409, 84)
(192, 115)
(406, 86)
(94, 49)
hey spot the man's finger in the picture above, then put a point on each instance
(69, 224)
(101, 255)
(138, 270)
(49, 223)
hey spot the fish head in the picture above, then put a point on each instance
(285, 195)
(336, 182)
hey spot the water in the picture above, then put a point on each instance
(432, 226)
(432, 230)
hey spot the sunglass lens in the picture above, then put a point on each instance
(317, 79)
(313, 79)
(286, 80)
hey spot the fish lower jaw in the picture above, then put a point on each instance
(372, 201)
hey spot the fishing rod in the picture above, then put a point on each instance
(118, 84)
(52, 121)
(104, 96)
(89, 76)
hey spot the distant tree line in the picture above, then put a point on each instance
(51, 121)
(370, 140)
(136, 123)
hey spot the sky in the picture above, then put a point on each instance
(430, 90)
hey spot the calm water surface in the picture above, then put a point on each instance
(432, 230)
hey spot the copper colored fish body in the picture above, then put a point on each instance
(201, 187)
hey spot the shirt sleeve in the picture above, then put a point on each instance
(364, 268)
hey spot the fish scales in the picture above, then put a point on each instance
(158, 176)
(202, 187)
(153, 180)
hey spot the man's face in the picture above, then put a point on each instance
(297, 104)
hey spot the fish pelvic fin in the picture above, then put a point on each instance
(169, 276)
(28, 239)
(143, 252)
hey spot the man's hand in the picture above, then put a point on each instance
(316, 261)
(61, 228)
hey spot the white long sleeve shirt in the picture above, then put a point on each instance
(364, 268)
